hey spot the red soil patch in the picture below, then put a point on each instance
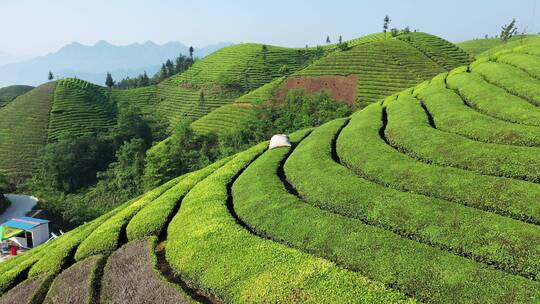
(341, 88)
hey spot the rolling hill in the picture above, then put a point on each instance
(372, 67)
(78, 107)
(74, 107)
(23, 131)
(476, 47)
(429, 195)
(7, 94)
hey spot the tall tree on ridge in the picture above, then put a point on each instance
(109, 80)
(145, 81)
(51, 76)
(508, 31)
(170, 68)
(191, 50)
(386, 24)
(328, 39)
(163, 72)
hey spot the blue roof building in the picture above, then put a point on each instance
(26, 231)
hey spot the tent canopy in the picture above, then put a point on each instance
(8, 232)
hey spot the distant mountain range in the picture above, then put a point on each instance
(6, 58)
(91, 63)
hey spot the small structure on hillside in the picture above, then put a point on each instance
(24, 232)
(279, 140)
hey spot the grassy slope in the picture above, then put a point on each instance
(222, 77)
(23, 130)
(80, 108)
(226, 118)
(476, 47)
(358, 203)
(7, 94)
(390, 65)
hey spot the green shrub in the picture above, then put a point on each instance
(511, 79)
(361, 148)
(493, 239)
(262, 201)
(210, 250)
(526, 62)
(183, 152)
(451, 115)
(409, 131)
(492, 100)
(106, 237)
(153, 217)
(56, 258)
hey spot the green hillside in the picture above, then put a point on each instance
(381, 65)
(80, 108)
(230, 81)
(476, 47)
(227, 117)
(388, 66)
(223, 76)
(7, 94)
(251, 70)
(23, 131)
(427, 196)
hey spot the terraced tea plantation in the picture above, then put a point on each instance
(386, 66)
(80, 108)
(224, 76)
(224, 88)
(383, 66)
(23, 131)
(227, 117)
(478, 47)
(430, 195)
(8, 94)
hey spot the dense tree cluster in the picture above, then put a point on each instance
(297, 111)
(78, 172)
(168, 69)
(3, 189)
(83, 177)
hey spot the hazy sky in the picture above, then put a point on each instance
(34, 27)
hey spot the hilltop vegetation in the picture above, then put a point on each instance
(7, 94)
(224, 76)
(379, 64)
(4, 203)
(80, 108)
(429, 195)
(23, 131)
(479, 47)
